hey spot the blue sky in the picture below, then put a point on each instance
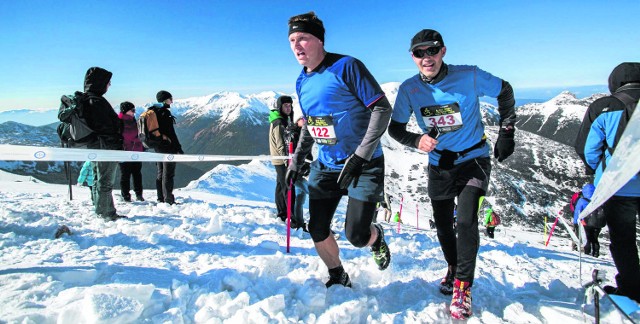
(195, 48)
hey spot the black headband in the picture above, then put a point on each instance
(307, 27)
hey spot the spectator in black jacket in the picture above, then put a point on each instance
(104, 121)
(166, 170)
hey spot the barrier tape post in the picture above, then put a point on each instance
(551, 232)
(417, 225)
(400, 213)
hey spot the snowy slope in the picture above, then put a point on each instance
(217, 257)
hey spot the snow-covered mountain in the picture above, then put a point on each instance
(558, 119)
(234, 124)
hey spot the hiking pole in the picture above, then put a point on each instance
(289, 200)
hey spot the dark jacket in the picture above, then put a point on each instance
(165, 124)
(600, 125)
(99, 114)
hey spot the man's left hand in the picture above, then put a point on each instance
(505, 144)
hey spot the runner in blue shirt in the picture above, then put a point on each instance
(444, 99)
(346, 113)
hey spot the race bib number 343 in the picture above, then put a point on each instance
(322, 130)
(446, 118)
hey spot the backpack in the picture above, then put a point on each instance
(495, 219)
(73, 129)
(596, 218)
(629, 107)
(148, 129)
(574, 200)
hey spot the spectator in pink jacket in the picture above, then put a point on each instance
(131, 143)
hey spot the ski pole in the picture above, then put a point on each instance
(551, 232)
(289, 201)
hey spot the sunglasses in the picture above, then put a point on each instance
(431, 51)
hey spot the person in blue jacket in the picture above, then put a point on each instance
(444, 99)
(86, 176)
(598, 133)
(592, 247)
(346, 113)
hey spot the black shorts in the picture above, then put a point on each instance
(447, 184)
(323, 182)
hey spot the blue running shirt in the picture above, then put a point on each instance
(337, 94)
(453, 105)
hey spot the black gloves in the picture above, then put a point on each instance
(291, 176)
(505, 144)
(351, 171)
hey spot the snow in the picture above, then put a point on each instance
(219, 256)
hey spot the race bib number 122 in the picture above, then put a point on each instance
(321, 129)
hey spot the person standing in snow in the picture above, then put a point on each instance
(280, 118)
(104, 121)
(595, 143)
(346, 113)
(444, 99)
(170, 145)
(301, 185)
(86, 176)
(131, 143)
(489, 222)
(592, 247)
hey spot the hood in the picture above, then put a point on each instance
(587, 190)
(273, 115)
(624, 73)
(96, 80)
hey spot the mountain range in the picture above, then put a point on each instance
(541, 174)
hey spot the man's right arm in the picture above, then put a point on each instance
(398, 131)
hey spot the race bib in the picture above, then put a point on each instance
(445, 118)
(321, 129)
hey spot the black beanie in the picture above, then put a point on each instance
(126, 106)
(163, 95)
(283, 100)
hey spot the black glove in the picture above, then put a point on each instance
(351, 171)
(505, 144)
(291, 176)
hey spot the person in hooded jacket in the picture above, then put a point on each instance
(594, 142)
(280, 118)
(104, 122)
(170, 145)
(130, 170)
(592, 247)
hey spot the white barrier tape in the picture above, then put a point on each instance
(37, 153)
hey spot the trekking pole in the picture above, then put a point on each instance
(289, 200)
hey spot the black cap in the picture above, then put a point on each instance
(163, 95)
(126, 106)
(426, 37)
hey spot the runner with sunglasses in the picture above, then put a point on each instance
(444, 99)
